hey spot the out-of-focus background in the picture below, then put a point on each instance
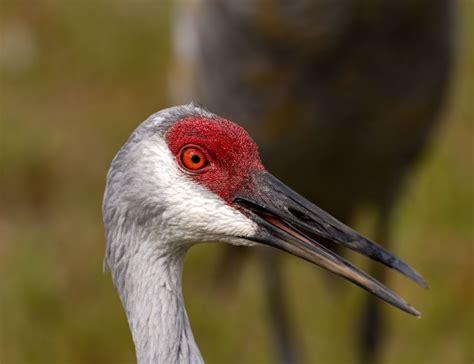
(76, 78)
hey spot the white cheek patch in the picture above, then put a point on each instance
(190, 212)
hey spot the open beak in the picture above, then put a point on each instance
(290, 222)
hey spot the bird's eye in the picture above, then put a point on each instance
(193, 158)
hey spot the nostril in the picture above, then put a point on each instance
(299, 215)
(304, 218)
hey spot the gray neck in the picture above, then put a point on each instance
(149, 284)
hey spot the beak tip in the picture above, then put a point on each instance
(416, 277)
(422, 283)
(412, 310)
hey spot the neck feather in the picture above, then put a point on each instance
(149, 285)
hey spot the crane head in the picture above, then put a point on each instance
(187, 176)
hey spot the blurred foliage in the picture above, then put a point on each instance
(76, 78)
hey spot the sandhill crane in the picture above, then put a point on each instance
(351, 88)
(187, 176)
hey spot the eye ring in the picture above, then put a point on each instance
(192, 158)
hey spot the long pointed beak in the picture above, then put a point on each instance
(289, 222)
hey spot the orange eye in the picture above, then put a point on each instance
(192, 158)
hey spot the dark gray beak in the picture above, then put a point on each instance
(289, 222)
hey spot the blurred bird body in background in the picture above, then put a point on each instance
(349, 90)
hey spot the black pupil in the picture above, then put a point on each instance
(195, 158)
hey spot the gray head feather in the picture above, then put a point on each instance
(120, 175)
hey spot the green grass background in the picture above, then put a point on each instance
(76, 78)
